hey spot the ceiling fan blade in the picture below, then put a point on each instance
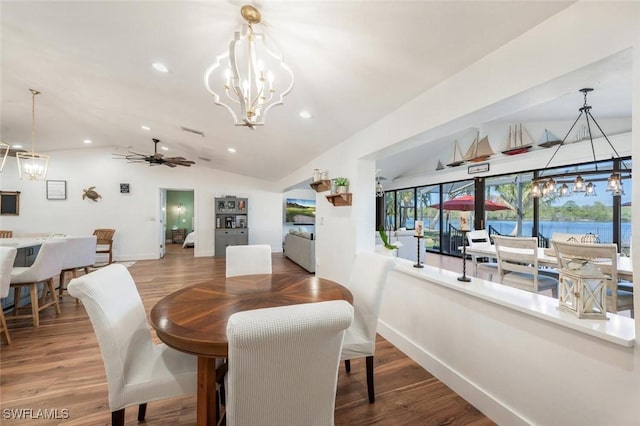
(186, 163)
(155, 158)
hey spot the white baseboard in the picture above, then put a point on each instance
(488, 405)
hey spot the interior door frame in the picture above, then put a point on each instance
(163, 215)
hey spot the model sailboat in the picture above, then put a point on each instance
(480, 149)
(456, 157)
(518, 141)
(548, 140)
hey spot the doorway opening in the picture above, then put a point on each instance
(178, 233)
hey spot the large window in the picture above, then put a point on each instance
(509, 208)
(509, 205)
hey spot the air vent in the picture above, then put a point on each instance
(194, 131)
(204, 159)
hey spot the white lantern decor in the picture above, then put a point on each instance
(583, 290)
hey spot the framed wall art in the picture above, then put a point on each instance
(56, 190)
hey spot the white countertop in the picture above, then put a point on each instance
(22, 242)
(617, 329)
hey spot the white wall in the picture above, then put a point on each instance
(134, 216)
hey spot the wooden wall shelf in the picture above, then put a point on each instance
(340, 199)
(321, 185)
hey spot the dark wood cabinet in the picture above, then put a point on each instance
(178, 235)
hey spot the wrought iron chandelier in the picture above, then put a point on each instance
(547, 185)
(249, 81)
(32, 166)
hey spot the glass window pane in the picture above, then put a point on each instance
(509, 205)
(406, 208)
(579, 213)
(625, 211)
(429, 196)
(390, 210)
(458, 200)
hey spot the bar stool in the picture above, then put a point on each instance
(7, 257)
(47, 265)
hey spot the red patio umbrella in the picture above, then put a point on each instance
(467, 203)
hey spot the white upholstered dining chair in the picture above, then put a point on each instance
(138, 371)
(79, 253)
(490, 267)
(45, 267)
(248, 260)
(283, 364)
(518, 265)
(368, 276)
(7, 257)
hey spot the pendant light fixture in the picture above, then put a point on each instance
(547, 185)
(379, 187)
(4, 151)
(251, 78)
(32, 166)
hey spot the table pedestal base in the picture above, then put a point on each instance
(207, 404)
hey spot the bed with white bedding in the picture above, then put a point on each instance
(190, 240)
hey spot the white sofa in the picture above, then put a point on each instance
(301, 248)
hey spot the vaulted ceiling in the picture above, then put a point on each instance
(354, 62)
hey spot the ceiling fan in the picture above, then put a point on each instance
(156, 158)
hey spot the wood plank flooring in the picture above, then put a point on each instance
(58, 367)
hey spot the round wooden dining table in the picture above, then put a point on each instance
(194, 319)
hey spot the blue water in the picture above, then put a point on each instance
(603, 230)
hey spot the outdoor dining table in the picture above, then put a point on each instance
(625, 267)
(194, 319)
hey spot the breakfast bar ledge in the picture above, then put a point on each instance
(510, 353)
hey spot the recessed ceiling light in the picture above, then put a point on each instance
(16, 146)
(145, 127)
(87, 141)
(158, 66)
(231, 149)
(164, 148)
(305, 114)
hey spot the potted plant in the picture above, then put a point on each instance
(342, 185)
(387, 247)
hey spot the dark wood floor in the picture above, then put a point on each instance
(58, 366)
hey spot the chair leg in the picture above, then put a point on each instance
(16, 299)
(347, 365)
(53, 295)
(117, 417)
(370, 390)
(35, 312)
(3, 324)
(217, 407)
(61, 287)
(142, 411)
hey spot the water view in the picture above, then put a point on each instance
(603, 230)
